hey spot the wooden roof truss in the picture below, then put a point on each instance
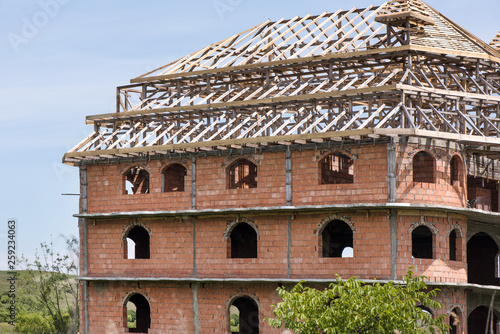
(369, 72)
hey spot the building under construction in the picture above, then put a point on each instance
(356, 142)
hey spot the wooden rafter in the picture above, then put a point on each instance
(496, 42)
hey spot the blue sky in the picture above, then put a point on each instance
(61, 60)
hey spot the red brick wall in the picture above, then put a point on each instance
(106, 183)
(106, 189)
(212, 249)
(170, 246)
(439, 193)
(451, 299)
(372, 252)
(172, 305)
(370, 177)
(212, 188)
(440, 268)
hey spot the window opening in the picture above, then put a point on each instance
(138, 238)
(482, 257)
(243, 241)
(453, 245)
(137, 314)
(337, 236)
(455, 320)
(248, 316)
(337, 168)
(242, 174)
(427, 311)
(234, 318)
(455, 170)
(173, 178)
(423, 167)
(421, 239)
(137, 181)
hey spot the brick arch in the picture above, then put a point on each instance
(458, 228)
(232, 160)
(171, 163)
(432, 311)
(232, 224)
(130, 166)
(454, 306)
(422, 222)
(242, 295)
(344, 152)
(325, 221)
(130, 293)
(131, 225)
(458, 155)
(434, 155)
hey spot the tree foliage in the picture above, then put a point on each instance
(48, 297)
(353, 307)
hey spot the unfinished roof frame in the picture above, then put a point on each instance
(398, 69)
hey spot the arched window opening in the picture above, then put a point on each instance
(423, 168)
(173, 178)
(453, 245)
(137, 181)
(455, 171)
(425, 309)
(243, 240)
(428, 312)
(138, 238)
(247, 311)
(482, 321)
(337, 236)
(482, 259)
(337, 168)
(421, 243)
(455, 320)
(242, 174)
(137, 314)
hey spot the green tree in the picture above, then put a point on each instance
(353, 307)
(30, 323)
(48, 295)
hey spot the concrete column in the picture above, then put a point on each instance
(288, 181)
(193, 183)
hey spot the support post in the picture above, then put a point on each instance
(391, 171)
(196, 308)
(394, 243)
(193, 183)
